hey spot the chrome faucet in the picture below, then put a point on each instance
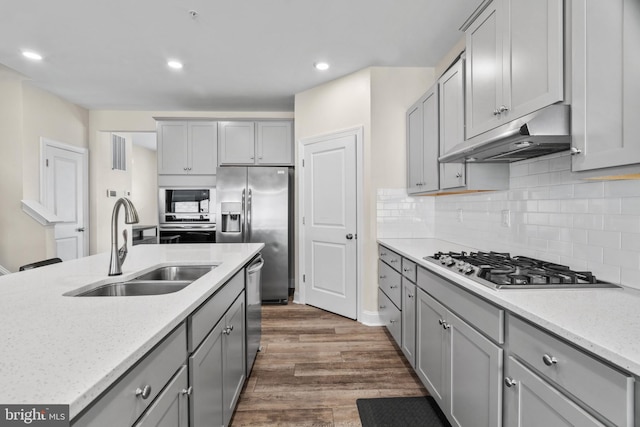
(131, 217)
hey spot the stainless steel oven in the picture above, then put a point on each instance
(187, 215)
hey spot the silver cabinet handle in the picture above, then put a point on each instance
(187, 391)
(496, 112)
(458, 175)
(510, 382)
(226, 331)
(382, 276)
(184, 169)
(575, 151)
(382, 307)
(393, 260)
(392, 321)
(393, 286)
(446, 325)
(440, 321)
(406, 269)
(383, 254)
(503, 108)
(144, 392)
(549, 360)
(409, 295)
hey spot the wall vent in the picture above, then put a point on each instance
(118, 153)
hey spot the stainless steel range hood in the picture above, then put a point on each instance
(543, 132)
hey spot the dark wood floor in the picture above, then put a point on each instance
(313, 367)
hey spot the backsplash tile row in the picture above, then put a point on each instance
(402, 216)
(551, 214)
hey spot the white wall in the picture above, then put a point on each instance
(376, 99)
(144, 184)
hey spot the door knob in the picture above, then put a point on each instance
(349, 236)
(80, 229)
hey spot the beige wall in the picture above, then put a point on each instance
(26, 114)
(448, 59)
(376, 99)
(144, 185)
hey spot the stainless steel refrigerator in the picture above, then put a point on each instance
(254, 205)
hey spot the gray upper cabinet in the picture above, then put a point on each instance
(605, 38)
(187, 147)
(515, 61)
(256, 143)
(422, 144)
(451, 86)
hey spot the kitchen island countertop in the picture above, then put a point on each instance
(61, 349)
(606, 322)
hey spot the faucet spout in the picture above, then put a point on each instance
(131, 217)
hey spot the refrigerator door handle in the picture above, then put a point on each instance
(242, 220)
(249, 217)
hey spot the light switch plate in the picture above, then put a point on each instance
(506, 218)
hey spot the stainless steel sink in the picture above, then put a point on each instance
(162, 280)
(136, 288)
(177, 272)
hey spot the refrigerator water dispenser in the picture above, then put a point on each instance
(231, 217)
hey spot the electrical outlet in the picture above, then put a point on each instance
(506, 218)
(459, 215)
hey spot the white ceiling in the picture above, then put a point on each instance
(237, 54)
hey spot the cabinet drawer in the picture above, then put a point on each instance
(390, 315)
(390, 257)
(485, 317)
(601, 387)
(390, 281)
(205, 318)
(120, 406)
(409, 269)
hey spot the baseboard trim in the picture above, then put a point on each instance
(371, 318)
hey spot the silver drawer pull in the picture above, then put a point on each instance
(382, 276)
(393, 286)
(383, 254)
(392, 321)
(187, 391)
(144, 392)
(406, 269)
(410, 295)
(383, 307)
(510, 382)
(440, 321)
(446, 325)
(549, 360)
(393, 260)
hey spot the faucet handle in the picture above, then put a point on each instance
(122, 252)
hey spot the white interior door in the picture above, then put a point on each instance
(330, 213)
(64, 194)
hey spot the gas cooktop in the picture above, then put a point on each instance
(500, 270)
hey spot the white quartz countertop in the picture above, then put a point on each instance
(60, 349)
(606, 322)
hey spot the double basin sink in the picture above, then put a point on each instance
(162, 280)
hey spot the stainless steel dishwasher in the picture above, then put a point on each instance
(253, 295)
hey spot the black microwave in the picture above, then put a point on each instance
(187, 205)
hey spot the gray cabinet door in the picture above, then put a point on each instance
(484, 70)
(236, 142)
(451, 85)
(475, 377)
(234, 354)
(530, 401)
(605, 39)
(409, 321)
(205, 376)
(172, 148)
(203, 148)
(274, 143)
(170, 409)
(414, 148)
(431, 347)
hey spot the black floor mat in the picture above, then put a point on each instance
(401, 412)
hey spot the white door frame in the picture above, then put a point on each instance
(302, 143)
(47, 142)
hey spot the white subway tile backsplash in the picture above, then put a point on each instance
(555, 215)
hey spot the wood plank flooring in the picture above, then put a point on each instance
(313, 367)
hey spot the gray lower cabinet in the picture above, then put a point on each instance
(461, 368)
(409, 321)
(170, 409)
(530, 401)
(217, 371)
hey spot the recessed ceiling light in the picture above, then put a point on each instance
(176, 65)
(32, 55)
(321, 66)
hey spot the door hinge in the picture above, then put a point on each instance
(302, 162)
(302, 220)
(46, 162)
(304, 278)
